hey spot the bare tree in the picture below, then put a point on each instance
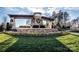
(60, 17)
(65, 17)
(54, 16)
(4, 23)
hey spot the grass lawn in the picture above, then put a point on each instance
(53, 42)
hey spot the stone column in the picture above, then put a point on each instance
(50, 24)
(47, 24)
(12, 22)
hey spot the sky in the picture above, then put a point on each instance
(46, 11)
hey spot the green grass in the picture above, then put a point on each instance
(49, 43)
(4, 37)
(71, 41)
(5, 41)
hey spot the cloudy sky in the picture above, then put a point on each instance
(46, 11)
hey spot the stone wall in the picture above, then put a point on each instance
(36, 30)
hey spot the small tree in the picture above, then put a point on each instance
(1, 27)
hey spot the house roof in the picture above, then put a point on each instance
(30, 16)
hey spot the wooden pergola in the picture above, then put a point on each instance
(33, 21)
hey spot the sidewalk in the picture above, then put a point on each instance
(74, 33)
